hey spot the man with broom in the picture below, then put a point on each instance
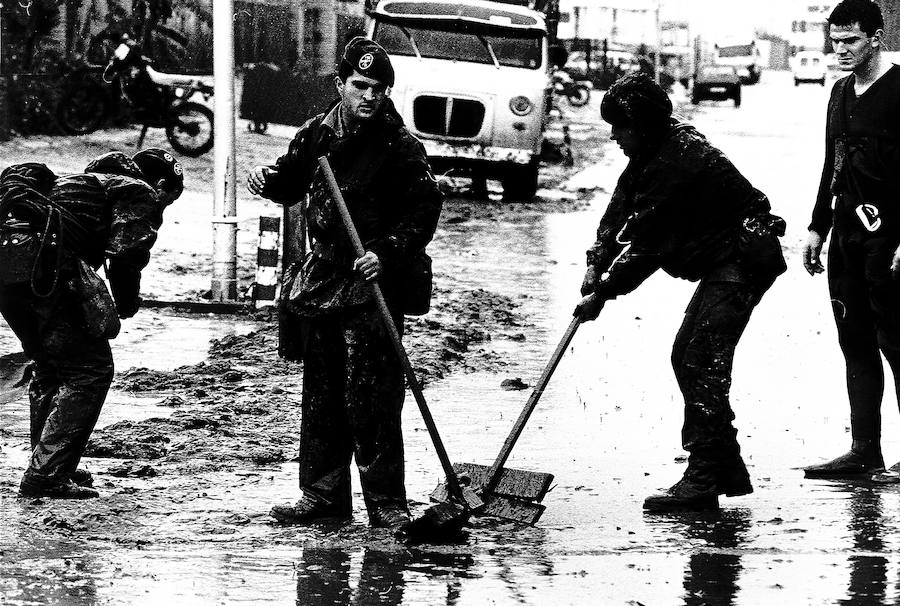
(680, 205)
(353, 383)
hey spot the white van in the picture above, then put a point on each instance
(472, 83)
(809, 66)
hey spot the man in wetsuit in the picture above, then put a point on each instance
(58, 306)
(682, 206)
(861, 176)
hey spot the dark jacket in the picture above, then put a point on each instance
(680, 207)
(862, 154)
(101, 217)
(390, 191)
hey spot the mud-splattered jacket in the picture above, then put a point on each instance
(102, 216)
(680, 207)
(390, 191)
(862, 159)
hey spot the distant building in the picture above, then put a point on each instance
(809, 28)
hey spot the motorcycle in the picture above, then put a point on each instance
(578, 93)
(158, 100)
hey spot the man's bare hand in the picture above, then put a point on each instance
(895, 264)
(589, 284)
(812, 251)
(256, 179)
(368, 265)
(589, 307)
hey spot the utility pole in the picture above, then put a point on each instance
(224, 220)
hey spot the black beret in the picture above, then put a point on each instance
(636, 100)
(369, 59)
(158, 164)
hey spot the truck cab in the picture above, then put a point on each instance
(472, 83)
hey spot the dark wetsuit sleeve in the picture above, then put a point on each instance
(136, 219)
(605, 247)
(822, 212)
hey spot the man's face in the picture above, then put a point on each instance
(852, 46)
(362, 97)
(628, 139)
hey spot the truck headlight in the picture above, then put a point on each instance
(520, 106)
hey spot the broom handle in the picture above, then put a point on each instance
(452, 481)
(493, 477)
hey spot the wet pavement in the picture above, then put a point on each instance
(607, 427)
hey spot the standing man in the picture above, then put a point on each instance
(861, 176)
(680, 205)
(353, 385)
(57, 231)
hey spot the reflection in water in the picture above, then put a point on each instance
(714, 565)
(325, 576)
(868, 573)
(713, 570)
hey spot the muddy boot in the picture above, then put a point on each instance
(734, 480)
(389, 517)
(82, 477)
(864, 458)
(58, 490)
(685, 495)
(888, 476)
(308, 510)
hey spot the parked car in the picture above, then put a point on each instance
(716, 83)
(809, 66)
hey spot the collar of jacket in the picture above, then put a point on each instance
(387, 116)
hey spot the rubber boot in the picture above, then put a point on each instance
(863, 459)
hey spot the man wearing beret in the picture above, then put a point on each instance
(56, 233)
(353, 385)
(680, 205)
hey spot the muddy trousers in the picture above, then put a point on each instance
(702, 358)
(72, 374)
(353, 391)
(866, 303)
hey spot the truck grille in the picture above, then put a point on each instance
(448, 116)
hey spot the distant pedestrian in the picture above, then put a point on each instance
(353, 384)
(859, 203)
(56, 231)
(680, 205)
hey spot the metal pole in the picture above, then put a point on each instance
(224, 221)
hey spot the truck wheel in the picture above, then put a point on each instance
(520, 181)
(737, 100)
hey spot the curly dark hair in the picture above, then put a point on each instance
(865, 12)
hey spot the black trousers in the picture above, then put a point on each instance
(353, 392)
(866, 303)
(72, 374)
(702, 357)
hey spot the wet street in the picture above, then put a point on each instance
(608, 428)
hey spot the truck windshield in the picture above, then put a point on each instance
(503, 48)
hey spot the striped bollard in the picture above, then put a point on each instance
(266, 262)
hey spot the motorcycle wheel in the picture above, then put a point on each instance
(191, 129)
(82, 108)
(579, 96)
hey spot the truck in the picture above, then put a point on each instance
(744, 57)
(472, 82)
